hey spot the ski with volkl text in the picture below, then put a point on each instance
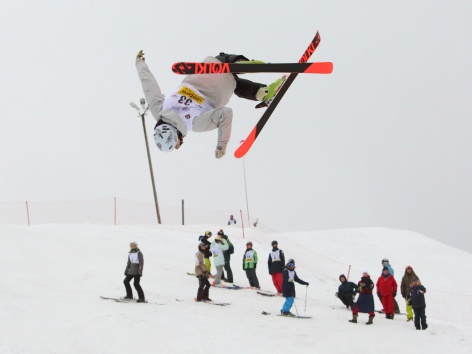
(272, 104)
(187, 68)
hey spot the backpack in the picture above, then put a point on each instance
(231, 247)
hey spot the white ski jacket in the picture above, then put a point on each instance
(216, 88)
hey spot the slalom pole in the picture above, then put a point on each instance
(349, 271)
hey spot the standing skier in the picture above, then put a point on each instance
(365, 300)
(276, 266)
(207, 243)
(202, 274)
(346, 292)
(288, 287)
(134, 270)
(418, 302)
(386, 291)
(227, 255)
(217, 248)
(250, 264)
(198, 104)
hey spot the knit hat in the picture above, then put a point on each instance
(385, 268)
(274, 243)
(342, 276)
(221, 233)
(414, 279)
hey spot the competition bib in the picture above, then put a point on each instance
(188, 103)
(133, 258)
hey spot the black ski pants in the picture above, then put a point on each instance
(129, 291)
(203, 288)
(252, 277)
(420, 317)
(229, 272)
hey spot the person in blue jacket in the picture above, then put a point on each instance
(288, 287)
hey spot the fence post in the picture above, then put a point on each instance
(27, 213)
(183, 213)
(114, 211)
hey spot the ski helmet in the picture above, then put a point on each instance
(166, 137)
(249, 243)
(133, 243)
(208, 233)
(291, 263)
(274, 243)
(385, 260)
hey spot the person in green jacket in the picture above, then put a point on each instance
(250, 264)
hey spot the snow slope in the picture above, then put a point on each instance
(52, 276)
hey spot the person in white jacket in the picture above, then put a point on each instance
(217, 248)
(198, 103)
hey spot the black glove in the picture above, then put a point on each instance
(378, 294)
(307, 284)
(126, 272)
(394, 293)
(255, 265)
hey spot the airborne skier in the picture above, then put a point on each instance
(199, 103)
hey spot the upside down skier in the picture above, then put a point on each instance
(199, 103)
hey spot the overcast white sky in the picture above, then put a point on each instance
(383, 141)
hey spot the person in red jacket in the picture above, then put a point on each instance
(386, 291)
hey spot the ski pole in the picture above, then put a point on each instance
(296, 310)
(349, 271)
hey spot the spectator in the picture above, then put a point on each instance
(365, 300)
(386, 263)
(418, 302)
(386, 291)
(232, 220)
(405, 289)
(346, 292)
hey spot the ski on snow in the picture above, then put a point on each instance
(274, 101)
(294, 316)
(187, 68)
(214, 302)
(119, 299)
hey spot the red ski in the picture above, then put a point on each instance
(272, 104)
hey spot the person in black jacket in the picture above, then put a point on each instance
(227, 255)
(418, 302)
(288, 287)
(346, 292)
(276, 266)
